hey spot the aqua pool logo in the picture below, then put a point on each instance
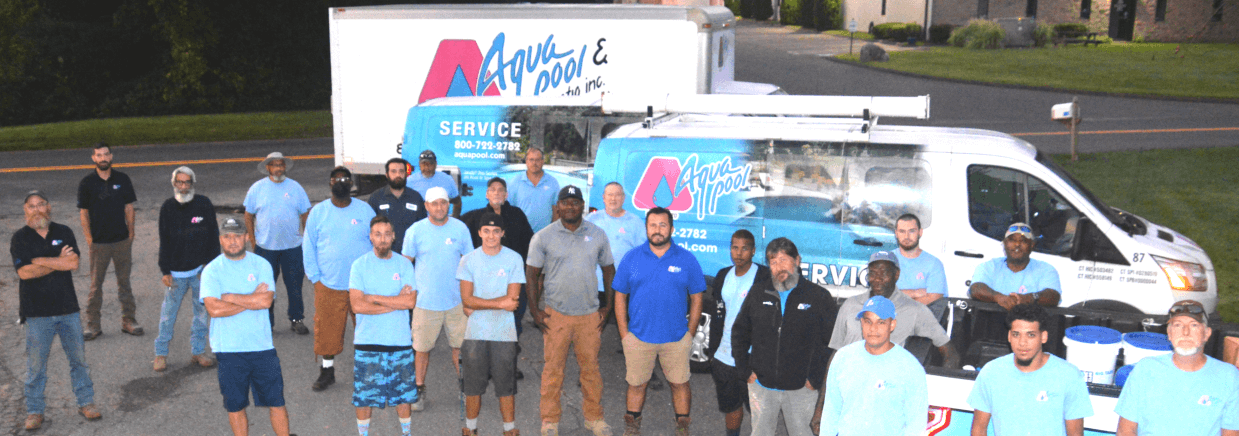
(460, 70)
(679, 187)
(455, 71)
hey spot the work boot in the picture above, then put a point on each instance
(34, 421)
(132, 327)
(420, 404)
(90, 412)
(91, 334)
(681, 425)
(464, 431)
(161, 363)
(599, 427)
(299, 327)
(326, 377)
(632, 425)
(203, 360)
(550, 429)
(512, 432)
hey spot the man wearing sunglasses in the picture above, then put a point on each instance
(1016, 279)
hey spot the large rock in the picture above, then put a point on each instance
(873, 53)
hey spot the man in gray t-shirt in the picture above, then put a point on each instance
(562, 259)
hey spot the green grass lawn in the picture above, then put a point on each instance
(169, 129)
(1195, 70)
(858, 35)
(1191, 191)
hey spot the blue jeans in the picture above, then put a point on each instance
(294, 273)
(40, 331)
(172, 305)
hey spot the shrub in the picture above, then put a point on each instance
(1042, 35)
(1138, 39)
(789, 12)
(913, 30)
(978, 34)
(1065, 28)
(939, 33)
(895, 31)
(734, 5)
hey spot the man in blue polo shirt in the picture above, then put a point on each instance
(655, 286)
(1016, 279)
(534, 191)
(1029, 391)
(382, 290)
(400, 205)
(429, 177)
(237, 290)
(921, 275)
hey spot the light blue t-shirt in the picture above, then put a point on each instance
(623, 233)
(384, 277)
(421, 183)
(491, 276)
(874, 395)
(1036, 276)
(249, 330)
(334, 238)
(735, 289)
(535, 201)
(923, 272)
(437, 251)
(277, 210)
(1033, 404)
(1165, 400)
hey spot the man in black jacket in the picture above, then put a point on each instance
(787, 321)
(188, 240)
(731, 285)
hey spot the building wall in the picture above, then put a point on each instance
(1186, 20)
(870, 11)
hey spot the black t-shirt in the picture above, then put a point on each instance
(52, 294)
(106, 200)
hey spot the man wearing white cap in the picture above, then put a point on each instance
(1016, 279)
(276, 208)
(435, 245)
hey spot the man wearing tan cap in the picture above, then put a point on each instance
(276, 208)
(1016, 279)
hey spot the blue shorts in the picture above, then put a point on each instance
(383, 378)
(259, 370)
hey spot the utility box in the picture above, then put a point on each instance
(1019, 31)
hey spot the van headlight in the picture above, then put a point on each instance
(1183, 276)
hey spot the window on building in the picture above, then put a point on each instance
(1217, 10)
(1086, 8)
(982, 8)
(1160, 14)
(883, 7)
(1030, 9)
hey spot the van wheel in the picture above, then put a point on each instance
(700, 355)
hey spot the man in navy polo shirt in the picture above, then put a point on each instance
(399, 203)
(655, 286)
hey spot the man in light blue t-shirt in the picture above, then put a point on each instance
(921, 275)
(1030, 391)
(1016, 279)
(237, 289)
(428, 178)
(624, 230)
(1186, 393)
(731, 286)
(336, 234)
(276, 208)
(875, 387)
(435, 245)
(535, 191)
(490, 285)
(382, 290)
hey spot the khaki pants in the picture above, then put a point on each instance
(581, 332)
(120, 254)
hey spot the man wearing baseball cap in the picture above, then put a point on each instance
(1017, 278)
(429, 178)
(1186, 393)
(276, 208)
(875, 387)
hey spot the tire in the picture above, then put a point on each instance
(700, 356)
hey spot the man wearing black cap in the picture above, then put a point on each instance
(429, 178)
(45, 255)
(105, 198)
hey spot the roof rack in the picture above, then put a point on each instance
(803, 105)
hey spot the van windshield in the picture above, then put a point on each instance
(1079, 187)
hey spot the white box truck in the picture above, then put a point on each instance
(387, 59)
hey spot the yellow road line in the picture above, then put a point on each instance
(1112, 132)
(163, 163)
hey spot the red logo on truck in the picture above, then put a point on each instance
(455, 71)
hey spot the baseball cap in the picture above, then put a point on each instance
(427, 155)
(436, 193)
(34, 192)
(1190, 308)
(570, 192)
(880, 306)
(491, 219)
(1019, 229)
(232, 225)
(884, 255)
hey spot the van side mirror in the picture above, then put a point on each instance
(1082, 243)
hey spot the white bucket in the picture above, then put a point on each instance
(1093, 349)
(1139, 345)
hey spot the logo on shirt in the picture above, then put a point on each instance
(1205, 401)
(501, 273)
(56, 242)
(1023, 290)
(384, 206)
(396, 277)
(587, 239)
(17, 261)
(353, 221)
(920, 276)
(673, 268)
(117, 187)
(252, 278)
(1043, 397)
(195, 220)
(804, 306)
(621, 230)
(410, 206)
(449, 241)
(767, 303)
(880, 385)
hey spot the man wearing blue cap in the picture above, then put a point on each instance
(1017, 278)
(875, 387)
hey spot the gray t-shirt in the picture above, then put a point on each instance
(568, 260)
(913, 319)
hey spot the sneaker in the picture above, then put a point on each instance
(681, 425)
(464, 431)
(91, 334)
(90, 412)
(161, 363)
(326, 377)
(299, 327)
(203, 360)
(512, 432)
(550, 429)
(632, 425)
(132, 327)
(420, 404)
(599, 427)
(34, 421)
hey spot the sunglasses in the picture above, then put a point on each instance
(342, 179)
(1019, 228)
(1190, 309)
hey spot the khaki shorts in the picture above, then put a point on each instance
(639, 358)
(428, 323)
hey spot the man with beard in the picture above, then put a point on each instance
(45, 255)
(429, 178)
(921, 275)
(435, 245)
(1016, 279)
(335, 235)
(1185, 393)
(731, 287)
(276, 208)
(534, 191)
(401, 206)
(1030, 391)
(237, 290)
(875, 387)
(188, 240)
(105, 199)
(780, 343)
(382, 290)
(656, 285)
(562, 258)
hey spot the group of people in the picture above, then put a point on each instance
(408, 264)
